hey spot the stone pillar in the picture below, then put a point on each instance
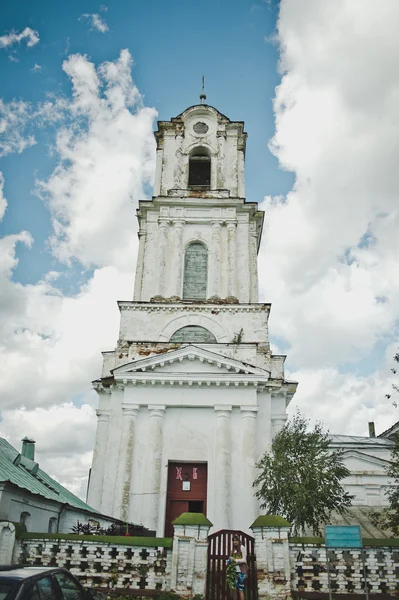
(241, 174)
(149, 278)
(222, 470)
(272, 556)
(154, 464)
(214, 270)
(248, 458)
(162, 255)
(253, 262)
(112, 450)
(243, 271)
(178, 260)
(278, 422)
(158, 172)
(231, 259)
(7, 541)
(138, 281)
(99, 456)
(124, 477)
(220, 170)
(190, 551)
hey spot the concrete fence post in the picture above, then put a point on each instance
(190, 550)
(272, 556)
(7, 542)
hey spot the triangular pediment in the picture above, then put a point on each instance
(193, 361)
(356, 460)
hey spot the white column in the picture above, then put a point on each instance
(215, 266)
(138, 281)
(162, 255)
(222, 472)
(154, 465)
(231, 259)
(126, 454)
(113, 446)
(99, 456)
(241, 174)
(248, 458)
(243, 263)
(178, 259)
(158, 172)
(253, 258)
(220, 172)
(150, 274)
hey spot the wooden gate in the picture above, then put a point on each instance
(220, 545)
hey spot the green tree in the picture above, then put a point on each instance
(388, 518)
(300, 477)
(395, 386)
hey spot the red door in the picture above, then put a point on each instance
(187, 486)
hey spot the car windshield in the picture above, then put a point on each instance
(6, 587)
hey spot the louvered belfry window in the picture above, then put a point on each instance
(199, 169)
(195, 272)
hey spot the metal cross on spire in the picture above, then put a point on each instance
(202, 94)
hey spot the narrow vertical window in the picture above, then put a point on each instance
(195, 272)
(199, 169)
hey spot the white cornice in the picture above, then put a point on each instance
(190, 306)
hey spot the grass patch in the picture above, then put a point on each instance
(192, 519)
(270, 521)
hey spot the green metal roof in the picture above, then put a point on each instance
(26, 474)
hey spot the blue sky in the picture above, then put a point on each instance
(81, 89)
(173, 45)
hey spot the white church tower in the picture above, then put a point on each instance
(190, 398)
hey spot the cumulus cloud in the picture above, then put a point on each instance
(331, 250)
(103, 166)
(29, 35)
(96, 21)
(14, 119)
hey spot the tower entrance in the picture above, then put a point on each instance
(187, 487)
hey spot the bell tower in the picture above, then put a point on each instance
(192, 395)
(199, 239)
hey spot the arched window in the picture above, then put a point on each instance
(195, 272)
(193, 334)
(199, 168)
(52, 525)
(25, 519)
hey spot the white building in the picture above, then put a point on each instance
(190, 398)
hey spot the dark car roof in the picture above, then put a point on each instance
(20, 572)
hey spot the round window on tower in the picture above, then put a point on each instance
(200, 127)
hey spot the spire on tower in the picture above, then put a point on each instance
(202, 94)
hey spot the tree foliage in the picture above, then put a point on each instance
(388, 518)
(300, 477)
(395, 386)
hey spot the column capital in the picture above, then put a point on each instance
(216, 224)
(130, 410)
(157, 411)
(178, 224)
(103, 415)
(163, 223)
(223, 411)
(249, 412)
(231, 224)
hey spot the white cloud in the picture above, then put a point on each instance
(36, 68)
(106, 156)
(337, 127)
(14, 118)
(103, 167)
(96, 21)
(9, 39)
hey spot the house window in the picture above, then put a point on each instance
(193, 334)
(199, 168)
(25, 519)
(52, 525)
(195, 272)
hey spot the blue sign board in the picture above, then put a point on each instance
(343, 536)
